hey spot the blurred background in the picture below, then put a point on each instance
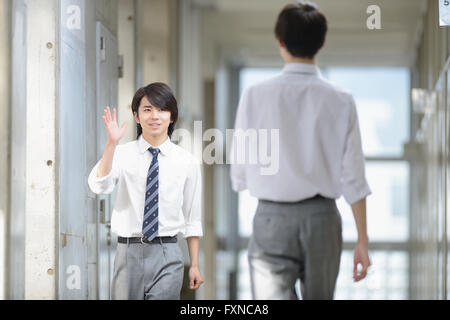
(63, 61)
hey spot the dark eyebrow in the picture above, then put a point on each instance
(150, 106)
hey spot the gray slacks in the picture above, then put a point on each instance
(147, 271)
(291, 241)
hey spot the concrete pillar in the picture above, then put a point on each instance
(41, 146)
(16, 238)
(209, 239)
(193, 94)
(190, 84)
(5, 81)
(33, 222)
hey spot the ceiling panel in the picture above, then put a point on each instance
(244, 28)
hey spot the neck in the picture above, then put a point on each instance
(302, 60)
(155, 141)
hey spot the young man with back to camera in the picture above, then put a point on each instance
(158, 196)
(297, 228)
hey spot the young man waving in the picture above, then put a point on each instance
(158, 196)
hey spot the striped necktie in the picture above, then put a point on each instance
(150, 223)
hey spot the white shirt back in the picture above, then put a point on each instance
(320, 148)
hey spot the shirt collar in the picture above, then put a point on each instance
(164, 147)
(301, 68)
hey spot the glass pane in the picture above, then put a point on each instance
(247, 203)
(387, 206)
(244, 289)
(387, 277)
(247, 209)
(382, 100)
(223, 266)
(249, 76)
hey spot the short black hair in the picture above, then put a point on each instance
(302, 29)
(159, 95)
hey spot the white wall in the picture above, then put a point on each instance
(127, 84)
(154, 34)
(429, 264)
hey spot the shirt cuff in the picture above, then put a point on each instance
(100, 185)
(238, 185)
(193, 230)
(355, 193)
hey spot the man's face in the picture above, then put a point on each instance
(153, 120)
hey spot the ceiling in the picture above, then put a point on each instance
(243, 29)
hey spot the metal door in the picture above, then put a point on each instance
(107, 86)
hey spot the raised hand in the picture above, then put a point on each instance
(112, 128)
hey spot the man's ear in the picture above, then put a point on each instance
(280, 43)
(135, 117)
(323, 45)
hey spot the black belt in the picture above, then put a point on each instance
(144, 240)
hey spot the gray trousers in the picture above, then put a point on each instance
(147, 271)
(291, 241)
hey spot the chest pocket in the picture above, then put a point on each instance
(171, 188)
(134, 179)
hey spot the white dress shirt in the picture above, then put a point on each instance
(320, 148)
(179, 204)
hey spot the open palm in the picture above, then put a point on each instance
(113, 130)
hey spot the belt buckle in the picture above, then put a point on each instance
(142, 240)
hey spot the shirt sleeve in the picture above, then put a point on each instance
(192, 207)
(353, 180)
(106, 184)
(237, 170)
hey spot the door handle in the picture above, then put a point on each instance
(108, 238)
(102, 211)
